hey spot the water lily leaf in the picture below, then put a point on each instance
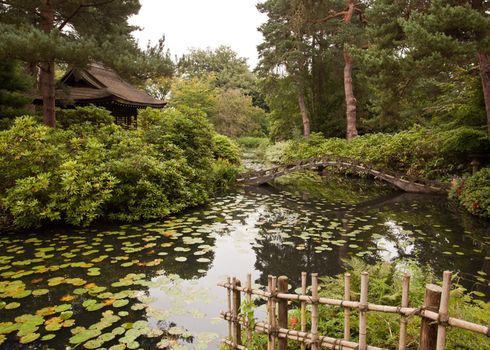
(133, 345)
(95, 307)
(89, 302)
(120, 303)
(84, 335)
(48, 337)
(11, 306)
(66, 315)
(22, 295)
(29, 338)
(63, 307)
(118, 347)
(39, 292)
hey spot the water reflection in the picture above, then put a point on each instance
(173, 267)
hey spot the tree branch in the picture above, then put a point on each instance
(329, 17)
(80, 7)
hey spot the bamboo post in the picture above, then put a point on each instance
(428, 330)
(404, 320)
(314, 312)
(363, 312)
(274, 312)
(230, 335)
(237, 331)
(443, 311)
(269, 314)
(249, 301)
(346, 309)
(303, 306)
(283, 311)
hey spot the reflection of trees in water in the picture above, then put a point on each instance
(423, 236)
(445, 231)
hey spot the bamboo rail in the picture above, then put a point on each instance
(434, 315)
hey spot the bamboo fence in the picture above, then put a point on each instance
(433, 314)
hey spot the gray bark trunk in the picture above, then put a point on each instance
(304, 115)
(484, 61)
(350, 100)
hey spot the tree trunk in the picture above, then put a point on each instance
(304, 115)
(350, 100)
(484, 60)
(46, 73)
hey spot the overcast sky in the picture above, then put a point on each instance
(201, 24)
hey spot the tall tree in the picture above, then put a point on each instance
(286, 50)
(454, 30)
(44, 32)
(349, 32)
(231, 71)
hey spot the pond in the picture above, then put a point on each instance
(153, 285)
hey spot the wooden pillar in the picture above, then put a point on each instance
(230, 310)
(443, 311)
(249, 301)
(314, 312)
(346, 309)
(428, 329)
(363, 311)
(303, 306)
(237, 331)
(283, 311)
(274, 312)
(270, 316)
(402, 345)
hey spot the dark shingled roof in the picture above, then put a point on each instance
(99, 83)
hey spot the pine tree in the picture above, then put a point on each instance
(74, 32)
(453, 31)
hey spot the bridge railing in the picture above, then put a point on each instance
(434, 315)
(340, 162)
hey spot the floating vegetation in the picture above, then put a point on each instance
(121, 287)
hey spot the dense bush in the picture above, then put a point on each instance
(226, 149)
(419, 151)
(87, 171)
(252, 142)
(474, 193)
(83, 115)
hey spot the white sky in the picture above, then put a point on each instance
(201, 24)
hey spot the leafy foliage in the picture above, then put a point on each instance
(93, 168)
(225, 148)
(14, 84)
(418, 151)
(474, 193)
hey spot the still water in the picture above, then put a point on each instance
(154, 285)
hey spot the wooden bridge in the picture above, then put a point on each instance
(402, 181)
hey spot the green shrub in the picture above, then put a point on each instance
(89, 115)
(424, 152)
(474, 193)
(225, 174)
(86, 171)
(226, 149)
(252, 142)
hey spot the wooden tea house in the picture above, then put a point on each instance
(103, 87)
